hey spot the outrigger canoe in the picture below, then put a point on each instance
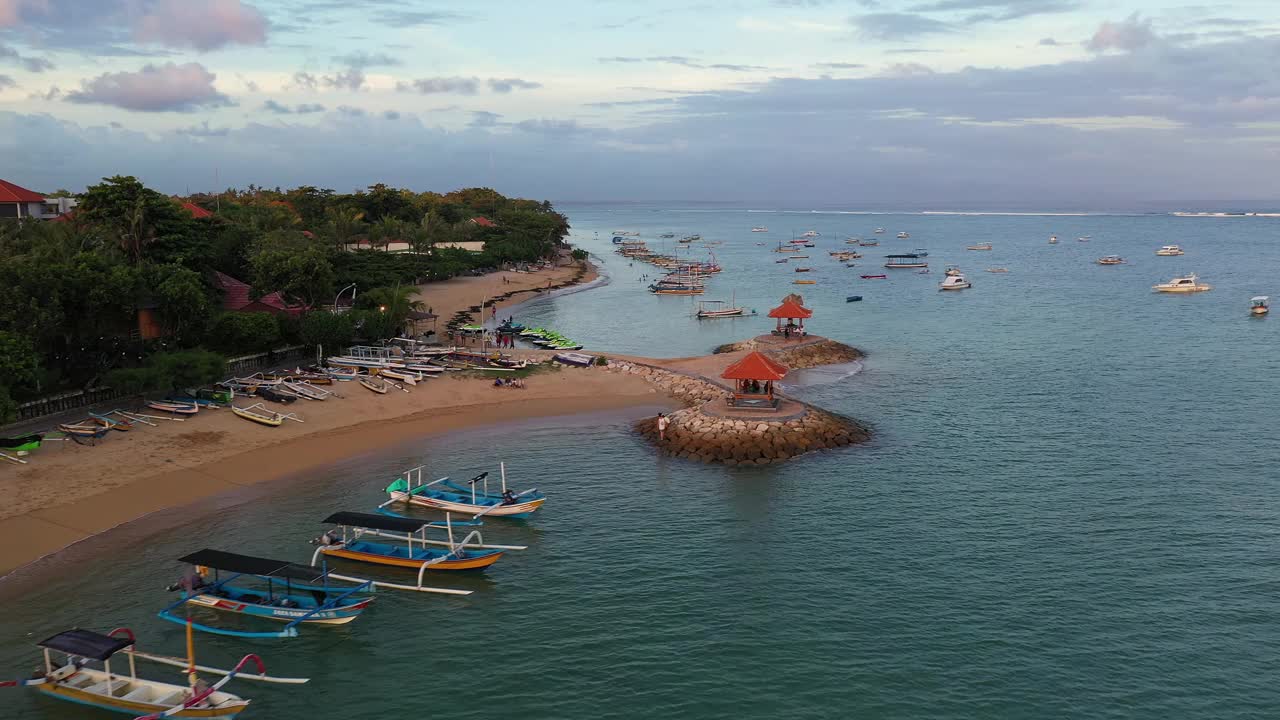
(177, 408)
(475, 500)
(73, 680)
(260, 414)
(412, 548)
(285, 592)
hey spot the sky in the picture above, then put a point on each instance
(939, 104)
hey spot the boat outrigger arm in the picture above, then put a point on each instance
(406, 529)
(294, 577)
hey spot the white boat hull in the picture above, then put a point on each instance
(429, 502)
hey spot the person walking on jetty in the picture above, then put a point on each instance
(663, 422)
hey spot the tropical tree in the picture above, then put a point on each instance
(292, 264)
(387, 309)
(343, 226)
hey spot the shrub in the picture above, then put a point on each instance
(245, 332)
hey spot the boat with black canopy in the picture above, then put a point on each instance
(271, 589)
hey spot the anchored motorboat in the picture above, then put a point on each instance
(904, 235)
(1111, 260)
(1188, 284)
(955, 282)
(979, 246)
(1053, 239)
(1170, 251)
(759, 228)
(1260, 305)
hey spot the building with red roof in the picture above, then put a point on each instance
(754, 376)
(196, 211)
(236, 297)
(19, 203)
(791, 310)
(483, 222)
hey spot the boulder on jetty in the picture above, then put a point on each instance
(695, 434)
(709, 431)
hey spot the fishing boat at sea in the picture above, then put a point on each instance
(810, 234)
(904, 235)
(1259, 305)
(711, 309)
(1187, 284)
(1170, 251)
(875, 277)
(879, 231)
(868, 243)
(263, 588)
(998, 270)
(804, 282)
(759, 228)
(1111, 260)
(1053, 239)
(979, 246)
(473, 499)
(412, 549)
(906, 261)
(955, 282)
(73, 679)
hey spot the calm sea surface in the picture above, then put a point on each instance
(1069, 509)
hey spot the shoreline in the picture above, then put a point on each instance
(73, 493)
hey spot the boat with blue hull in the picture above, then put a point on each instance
(410, 548)
(474, 498)
(285, 592)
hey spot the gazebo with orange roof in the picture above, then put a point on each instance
(754, 376)
(790, 310)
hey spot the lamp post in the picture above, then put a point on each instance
(352, 288)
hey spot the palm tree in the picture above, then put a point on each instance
(386, 231)
(344, 226)
(395, 303)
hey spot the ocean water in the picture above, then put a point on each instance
(1069, 508)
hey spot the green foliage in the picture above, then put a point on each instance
(170, 371)
(185, 302)
(579, 254)
(292, 264)
(8, 407)
(331, 330)
(135, 216)
(18, 363)
(240, 333)
(386, 309)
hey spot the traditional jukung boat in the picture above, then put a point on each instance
(111, 423)
(412, 548)
(21, 443)
(285, 592)
(174, 407)
(476, 501)
(85, 430)
(375, 384)
(260, 414)
(73, 680)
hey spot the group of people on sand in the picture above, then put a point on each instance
(511, 383)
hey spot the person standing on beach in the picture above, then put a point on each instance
(663, 422)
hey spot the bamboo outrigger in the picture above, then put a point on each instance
(259, 413)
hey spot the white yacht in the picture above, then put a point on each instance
(902, 235)
(955, 282)
(1188, 284)
(879, 231)
(1170, 250)
(810, 234)
(759, 228)
(1053, 239)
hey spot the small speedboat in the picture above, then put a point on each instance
(1188, 284)
(1111, 260)
(1260, 305)
(868, 243)
(1053, 239)
(979, 246)
(879, 231)
(759, 228)
(853, 298)
(874, 277)
(1170, 251)
(955, 282)
(997, 269)
(904, 235)
(810, 234)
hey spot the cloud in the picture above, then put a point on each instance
(1127, 35)
(7, 82)
(981, 11)
(390, 114)
(837, 66)
(682, 61)
(350, 79)
(484, 119)
(350, 111)
(413, 18)
(49, 95)
(28, 63)
(546, 126)
(362, 59)
(154, 88)
(897, 26)
(907, 70)
(203, 130)
(304, 80)
(434, 85)
(1050, 42)
(506, 85)
(201, 24)
(272, 106)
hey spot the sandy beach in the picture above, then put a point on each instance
(70, 492)
(459, 294)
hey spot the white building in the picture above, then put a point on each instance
(19, 202)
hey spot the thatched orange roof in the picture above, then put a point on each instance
(756, 366)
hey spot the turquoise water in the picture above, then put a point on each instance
(1068, 510)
